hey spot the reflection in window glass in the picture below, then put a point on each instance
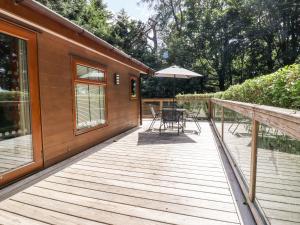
(238, 139)
(133, 87)
(278, 175)
(90, 106)
(15, 114)
(217, 113)
(84, 72)
(90, 98)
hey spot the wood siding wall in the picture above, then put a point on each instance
(56, 91)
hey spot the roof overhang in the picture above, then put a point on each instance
(128, 60)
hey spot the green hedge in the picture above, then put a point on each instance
(280, 89)
(12, 95)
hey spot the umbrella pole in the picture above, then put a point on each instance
(173, 111)
(174, 91)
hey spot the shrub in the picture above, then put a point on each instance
(280, 89)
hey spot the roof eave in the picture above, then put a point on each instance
(36, 6)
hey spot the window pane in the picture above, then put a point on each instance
(90, 101)
(15, 115)
(102, 105)
(133, 88)
(89, 73)
(95, 105)
(82, 106)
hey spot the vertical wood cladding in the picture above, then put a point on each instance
(56, 91)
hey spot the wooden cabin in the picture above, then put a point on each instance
(62, 89)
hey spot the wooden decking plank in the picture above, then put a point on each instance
(283, 215)
(279, 206)
(95, 172)
(153, 176)
(44, 215)
(156, 178)
(138, 212)
(190, 156)
(177, 164)
(163, 172)
(166, 169)
(107, 157)
(8, 218)
(275, 198)
(282, 222)
(179, 200)
(274, 166)
(280, 190)
(171, 158)
(156, 166)
(84, 212)
(148, 187)
(143, 203)
(273, 174)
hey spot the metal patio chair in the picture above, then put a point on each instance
(192, 115)
(155, 115)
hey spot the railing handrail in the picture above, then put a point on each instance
(286, 120)
(156, 99)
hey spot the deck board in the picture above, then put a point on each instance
(137, 179)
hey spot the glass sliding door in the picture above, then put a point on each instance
(19, 141)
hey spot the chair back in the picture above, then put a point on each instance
(152, 111)
(170, 115)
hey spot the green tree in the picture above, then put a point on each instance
(90, 14)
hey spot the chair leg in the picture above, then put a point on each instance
(152, 123)
(197, 124)
(237, 126)
(161, 123)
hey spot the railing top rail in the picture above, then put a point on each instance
(157, 99)
(286, 120)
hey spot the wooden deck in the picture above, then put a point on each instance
(135, 179)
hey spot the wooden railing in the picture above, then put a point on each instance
(157, 103)
(262, 122)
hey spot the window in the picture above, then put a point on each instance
(90, 85)
(133, 87)
(20, 125)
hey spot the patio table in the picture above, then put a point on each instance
(171, 115)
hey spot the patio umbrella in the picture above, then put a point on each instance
(176, 72)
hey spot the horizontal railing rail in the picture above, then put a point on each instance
(286, 120)
(157, 103)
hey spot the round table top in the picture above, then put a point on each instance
(177, 109)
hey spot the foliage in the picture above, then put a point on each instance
(11, 95)
(92, 14)
(228, 41)
(281, 89)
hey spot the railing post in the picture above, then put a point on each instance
(222, 123)
(253, 165)
(209, 109)
(160, 105)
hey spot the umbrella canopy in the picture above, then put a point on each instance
(176, 72)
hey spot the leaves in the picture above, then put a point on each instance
(280, 89)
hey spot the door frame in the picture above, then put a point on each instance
(30, 37)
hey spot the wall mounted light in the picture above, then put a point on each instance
(117, 79)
